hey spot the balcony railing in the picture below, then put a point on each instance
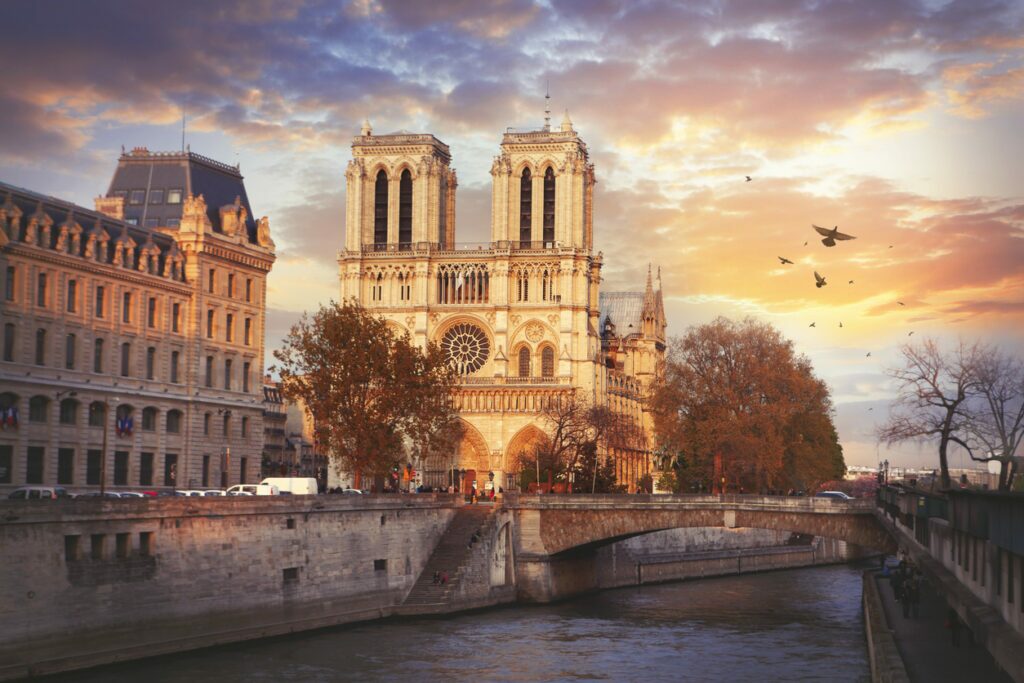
(515, 381)
(433, 247)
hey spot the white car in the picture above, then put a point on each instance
(832, 494)
(253, 490)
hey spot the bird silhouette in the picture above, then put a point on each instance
(819, 281)
(851, 282)
(811, 325)
(784, 260)
(748, 178)
(870, 409)
(805, 244)
(890, 246)
(910, 334)
(840, 323)
(831, 235)
(869, 355)
(901, 303)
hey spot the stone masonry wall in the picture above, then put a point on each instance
(84, 582)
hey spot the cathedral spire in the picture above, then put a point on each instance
(547, 106)
(650, 306)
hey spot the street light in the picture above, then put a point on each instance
(103, 453)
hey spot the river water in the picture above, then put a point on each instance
(795, 625)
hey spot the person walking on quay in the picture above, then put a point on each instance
(911, 595)
(953, 624)
(897, 580)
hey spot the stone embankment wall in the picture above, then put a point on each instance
(886, 664)
(84, 582)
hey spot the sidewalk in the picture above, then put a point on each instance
(925, 644)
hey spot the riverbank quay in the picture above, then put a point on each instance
(925, 645)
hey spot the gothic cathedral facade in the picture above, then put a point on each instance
(522, 318)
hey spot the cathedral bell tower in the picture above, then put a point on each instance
(543, 189)
(401, 190)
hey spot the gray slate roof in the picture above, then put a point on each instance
(624, 309)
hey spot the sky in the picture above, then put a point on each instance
(900, 121)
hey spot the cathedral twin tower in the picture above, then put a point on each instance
(521, 318)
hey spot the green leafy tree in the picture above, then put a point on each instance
(373, 395)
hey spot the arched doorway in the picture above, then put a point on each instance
(519, 454)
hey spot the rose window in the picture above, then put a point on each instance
(467, 348)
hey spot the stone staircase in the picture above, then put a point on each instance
(451, 556)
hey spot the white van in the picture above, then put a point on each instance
(297, 486)
(253, 490)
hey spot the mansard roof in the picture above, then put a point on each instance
(186, 171)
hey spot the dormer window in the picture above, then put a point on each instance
(174, 196)
(156, 196)
(137, 197)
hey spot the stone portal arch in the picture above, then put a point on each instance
(521, 445)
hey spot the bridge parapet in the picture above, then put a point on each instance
(864, 506)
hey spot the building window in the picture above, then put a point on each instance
(206, 471)
(227, 373)
(171, 469)
(151, 312)
(549, 207)
(72, 302)
(525, 207)
(9, 342)
(524, 362)
(209, 372)
(9, 284)
(65, 465)
(120, 468)
(209, 324)
(68, 411)
(40, 346)
(226, 425)
(69, 352)
(173, 421)
(126, 307)
(246, 369)
(126, 359)
(206, 424)
(229, 328)
(97, 356)
(152, 222)
(245, 427)
(37, 408)
(377, 288)
(6, 463)
(248, 290)
(174, 196)
(231, 285)
(145, 469)
(34, 465)
(174, 366)
(173, 222)
(97, 412)
(137, 197)
(150, 362)
(41, 290)
(149, 419)
(547, 362)
(211, 280)
(175, 316)
(156, 196)
(248, 331)
(100, 292)
(96, 550)
(405, 208)
(243, 470)
(92, 467)
(380, 208)
(404, 288)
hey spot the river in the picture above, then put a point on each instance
(795, 625)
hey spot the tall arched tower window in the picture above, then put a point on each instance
(380, 208)
(405, 208)
(547, 362)
(549, 207)
(524, 362)
(525, 205)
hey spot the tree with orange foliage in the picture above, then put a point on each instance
(737, 389)
(373, 395)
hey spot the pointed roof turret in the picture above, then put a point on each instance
(566, 122)
(367, 129)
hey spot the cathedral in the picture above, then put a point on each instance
(522, 318)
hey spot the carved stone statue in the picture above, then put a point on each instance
(263, 233)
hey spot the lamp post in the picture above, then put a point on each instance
(103, 451)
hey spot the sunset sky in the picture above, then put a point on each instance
(900, 121)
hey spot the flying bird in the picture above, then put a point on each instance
(805, 244)
(840, 323)
(831, 235)
(910, 334)
(811, 325)
(901, 303)
(748, 178)
(819, 281)
(890, 246)
(851, 282)
(869, 355)
(784, 260)
(870, 409)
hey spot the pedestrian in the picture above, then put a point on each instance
(914, 597)
(897, 583)
(953, 624)
(437, 577)
(444, 578)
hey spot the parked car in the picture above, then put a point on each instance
(832, 494)
(190, 492)
(354, 492)
(253, 490)
(38, 493)
(213, 492)
(133, 494)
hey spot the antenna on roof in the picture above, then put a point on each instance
(547, 104)
(183, 128)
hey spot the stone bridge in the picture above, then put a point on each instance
(556, 536)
